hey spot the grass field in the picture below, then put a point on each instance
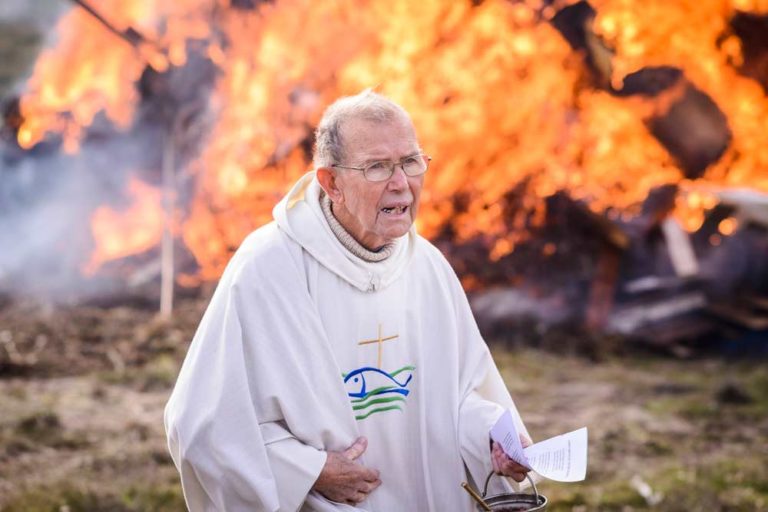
(81, 427)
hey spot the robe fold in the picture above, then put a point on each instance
(304, 347)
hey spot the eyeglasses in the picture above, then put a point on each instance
(382, 170)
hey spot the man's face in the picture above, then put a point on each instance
(376, 213)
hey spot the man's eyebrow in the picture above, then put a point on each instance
(367, 161)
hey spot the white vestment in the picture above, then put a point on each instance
(305, 347)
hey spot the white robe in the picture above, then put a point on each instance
(304, 347)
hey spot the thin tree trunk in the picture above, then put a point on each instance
(167, 270)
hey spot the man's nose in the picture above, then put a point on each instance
(398, 180)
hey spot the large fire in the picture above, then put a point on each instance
(496, 93)
(136, 228)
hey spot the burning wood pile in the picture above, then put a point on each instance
(595, 162)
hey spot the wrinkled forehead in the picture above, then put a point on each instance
(373, 139)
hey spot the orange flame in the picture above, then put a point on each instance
(137, 228)
(727, 226)
(496, 95)
(81, 77)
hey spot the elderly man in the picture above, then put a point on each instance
(338, 366)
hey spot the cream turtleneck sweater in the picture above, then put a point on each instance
(348, 241)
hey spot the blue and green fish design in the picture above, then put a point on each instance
(372, 390)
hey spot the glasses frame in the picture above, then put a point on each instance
(401, 163)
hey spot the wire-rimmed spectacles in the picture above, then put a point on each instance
(382, 170)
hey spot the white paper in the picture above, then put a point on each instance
(562, 458)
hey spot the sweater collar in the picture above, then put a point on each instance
(347, 240)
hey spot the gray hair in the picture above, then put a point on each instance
(368, 105)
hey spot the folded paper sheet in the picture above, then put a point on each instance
(562, 458)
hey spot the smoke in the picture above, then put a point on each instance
(41, 14)
(47, 199)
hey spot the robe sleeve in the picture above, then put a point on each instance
(213, 431)
(228, 459)
(476, 417)
(294, 464)
(484, 396)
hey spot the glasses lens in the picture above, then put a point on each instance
(382, 171)
(378, 171)
(415, 165)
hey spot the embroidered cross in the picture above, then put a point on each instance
(378, 341)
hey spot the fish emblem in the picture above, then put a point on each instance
(373, 390)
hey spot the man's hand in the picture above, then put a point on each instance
(503, 465)
(345, 481)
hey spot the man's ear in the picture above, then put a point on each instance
(327, 178)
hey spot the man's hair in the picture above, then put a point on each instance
(367, 105)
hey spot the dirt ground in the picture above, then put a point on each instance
(82, 392)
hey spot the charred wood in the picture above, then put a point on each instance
(656, 207)
(179, 88)
(581, 218)
(684, 119)
(638, 291)
(752, 30)
(657, 248)
(749, 311)
(749, 206)
(12, 120)
(702, 238)
(681, 336)
(694, 130)
(737, 265)
(680, 248)
(603, 289)
(631, 317)
(651, 81)
(574, 22)
(129, 35)
(612, 241)
(249, 5)
(499, 309)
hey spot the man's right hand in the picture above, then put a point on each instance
(344, 480)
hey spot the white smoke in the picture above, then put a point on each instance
(41, 14)
(46, 202)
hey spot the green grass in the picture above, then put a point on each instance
(156, 375)
(150, 497)
(36, 431)
(695, 432)
(658, 421)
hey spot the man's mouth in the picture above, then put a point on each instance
(395, 210)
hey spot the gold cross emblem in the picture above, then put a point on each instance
(378, 341)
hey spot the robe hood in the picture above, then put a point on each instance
(300, 215)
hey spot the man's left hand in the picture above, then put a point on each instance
(503, 465)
